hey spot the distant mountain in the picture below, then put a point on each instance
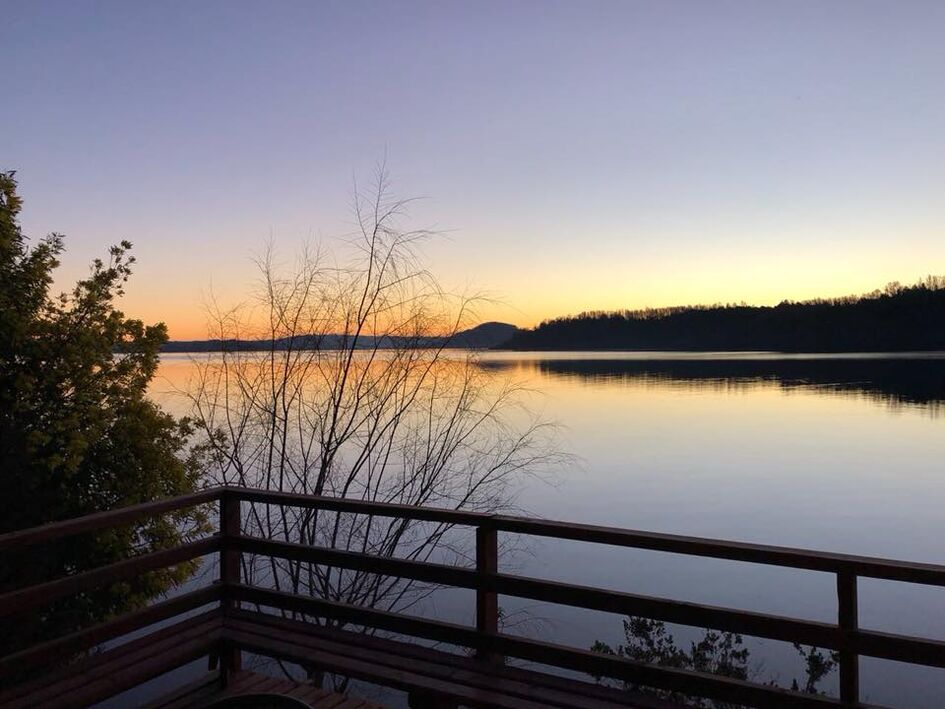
(489, 335)
(485, 336)
(896, 319)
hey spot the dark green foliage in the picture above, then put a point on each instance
(77, 433)
(898, 318)
(715, 653)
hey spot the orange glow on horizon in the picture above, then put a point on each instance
(533, 302)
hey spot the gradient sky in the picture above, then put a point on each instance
(581, 155)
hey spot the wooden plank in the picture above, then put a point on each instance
(211, 619)
(383, 674)
(78, 673)
(309, 693)
(594, 695)
(131, 675)
(439, 665)
(268, 685)
(41, 594)
(193, 693)
(244, 682)
(47, 653)
(247, 683)
(102, 676)
(787, 698)
(102, 520)
(359, 615)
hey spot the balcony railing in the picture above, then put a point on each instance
(486, 639)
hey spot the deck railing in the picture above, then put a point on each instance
(489, 643)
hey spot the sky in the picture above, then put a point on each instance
(575, 155)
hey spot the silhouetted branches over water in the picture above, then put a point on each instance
(898, 318)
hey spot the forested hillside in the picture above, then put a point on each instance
(897, 318)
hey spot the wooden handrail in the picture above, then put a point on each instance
(797, 558)
(23, 599)
(490, 644)
(771, 555)
(843, 636)
(103, 520)
(47, 653)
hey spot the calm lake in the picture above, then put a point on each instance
(840, 453)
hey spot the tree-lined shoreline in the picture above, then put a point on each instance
(896, 319)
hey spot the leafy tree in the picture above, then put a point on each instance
(77, 433)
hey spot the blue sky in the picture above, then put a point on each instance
(580, 155)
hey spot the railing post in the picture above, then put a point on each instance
(487, 601)
(848, 622)
(230, 658)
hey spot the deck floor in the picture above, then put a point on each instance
(205, 692)
(254, 683)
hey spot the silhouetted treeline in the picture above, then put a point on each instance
(898, 318)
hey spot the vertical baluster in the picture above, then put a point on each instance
(848, 621)
(231, 659)
(487, 602)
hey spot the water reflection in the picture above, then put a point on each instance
(917, 381)
(824, 452)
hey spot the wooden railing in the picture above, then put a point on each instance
(486, 639)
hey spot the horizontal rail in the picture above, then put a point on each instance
(760, 625)
(299, 645)
(74, 670)
(438, 630)
(103, 520)
(845, 636)
(824, 635)
(138, 660)
(901, 648)
(511, 682)
(865, 566)
(416, 570)
(651, 675)
(757, 624)
(52, 650)
(344, 504)
(523, 648)
(26, 598)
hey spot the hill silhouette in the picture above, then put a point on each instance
(485, 336)
(896, 319)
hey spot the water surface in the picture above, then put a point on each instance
(835, 452)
